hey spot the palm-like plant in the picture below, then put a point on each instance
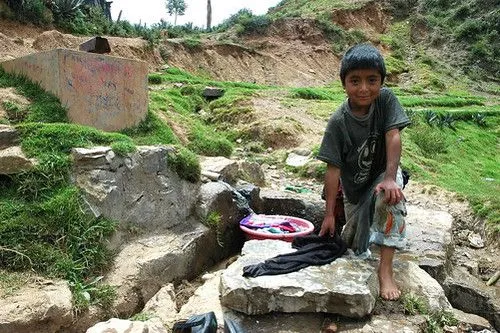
(66, 9)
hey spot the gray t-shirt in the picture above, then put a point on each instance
(357, 145)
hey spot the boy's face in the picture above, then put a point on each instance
(362, 86)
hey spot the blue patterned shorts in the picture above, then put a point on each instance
(371, 220)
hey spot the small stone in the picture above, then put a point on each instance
(450, 329)
(475, 241)
(329, 327)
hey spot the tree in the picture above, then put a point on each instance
(209, 14)
(176, 7)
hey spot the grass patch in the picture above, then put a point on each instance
(214, 222)
(173, 74)
(436, 320)
(186, 164)
(44, 107)
(11, 282)
(463, 159)
(440, 101)
(313, 93)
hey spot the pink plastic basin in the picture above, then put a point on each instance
(307, 227)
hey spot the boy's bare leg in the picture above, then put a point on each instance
(388, 288)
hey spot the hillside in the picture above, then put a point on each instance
(297, 44)
(279, 74)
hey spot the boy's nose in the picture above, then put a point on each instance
(364, 86)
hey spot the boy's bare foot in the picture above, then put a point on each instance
(388, 288)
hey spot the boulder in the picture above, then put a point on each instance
(296, 160)
(345, 287)
(394, 323)
(348, 286)
(471, 321)
(162, 305)
(469, 294)
(115, 325)
(414, 280)
(205, 299)
(429, 234)
(43, 307)
(224, 167)
(139, 190)
(229, 207)
(145, 265)
(8, 136)
(306, 206)
(13, 160)
(211, 93)
(251, 172)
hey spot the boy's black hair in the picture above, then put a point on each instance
(362, 56)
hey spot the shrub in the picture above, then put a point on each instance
(65, 10)
(122, 148)
(256, 24)
(31, 11)
(186, 164)
(241, 15)
(213, 221)
(470, 29)
(209, 143)
(15, 112)
(155, 79)
(191, 43)
(312, 93)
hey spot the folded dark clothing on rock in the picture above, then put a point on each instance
(312, 250)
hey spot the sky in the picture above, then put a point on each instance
(151, 11)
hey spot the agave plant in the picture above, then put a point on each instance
(66, 9)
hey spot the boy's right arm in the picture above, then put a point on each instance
(332, 178)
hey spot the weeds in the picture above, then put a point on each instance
(436, 319)
(186, 164)
(155, 79)
(213, 221)
(312, 93)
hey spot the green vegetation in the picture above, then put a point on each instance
(44, 225)
(452, 143)
(82, 18)
(245, 23)
(213, 221)
(453, 140)
(469, 29)
(436, 320)
(310, 9)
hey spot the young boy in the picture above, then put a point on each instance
(362, 147)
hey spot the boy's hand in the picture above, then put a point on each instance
(392, 191)
(328, 226)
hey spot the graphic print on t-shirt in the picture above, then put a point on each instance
(365, 158)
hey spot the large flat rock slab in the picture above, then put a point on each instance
(347, 286)
(429, 234)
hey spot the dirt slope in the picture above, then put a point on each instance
(292, 52)
(17, 40)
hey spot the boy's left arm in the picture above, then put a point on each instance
(393, 193)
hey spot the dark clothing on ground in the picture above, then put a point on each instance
(312, 250)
